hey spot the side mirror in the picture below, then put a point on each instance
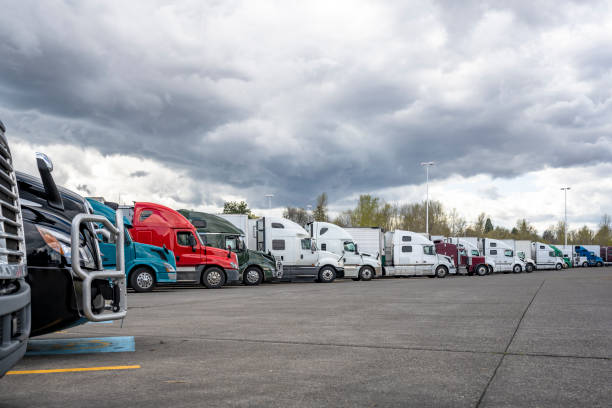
(229, 251)
(192, 243)
(45, 167)
(356, 250)
(165, 249)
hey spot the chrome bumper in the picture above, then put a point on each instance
(116, 276)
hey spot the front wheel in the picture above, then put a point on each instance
(327, 274)
(599, 264)
(252, 276)
(482, 270)
(213, 278)
(558, 266)
(366, 273)
(585, 264)
(441, 272)
(142, 280)
(517, 269)
(529, 268)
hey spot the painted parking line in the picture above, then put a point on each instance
(81, 345)
(73, 370)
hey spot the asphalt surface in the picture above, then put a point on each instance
(542, 339)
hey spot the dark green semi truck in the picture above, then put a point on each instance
(255, 266)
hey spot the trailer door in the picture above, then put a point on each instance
(260, 234)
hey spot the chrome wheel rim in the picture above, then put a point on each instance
(252, 276)
(214, 278)
(327, 274)
(366, 274)
(144, 280)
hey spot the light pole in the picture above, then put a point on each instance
(269, 200)
(565, 226)
(427, 165)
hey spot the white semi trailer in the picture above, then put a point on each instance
(502, 254)
(358, 265)
(289, 242)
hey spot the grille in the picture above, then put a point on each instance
(12, 245)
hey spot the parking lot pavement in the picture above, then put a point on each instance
(505, 340)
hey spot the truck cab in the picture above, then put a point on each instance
(357, 265)
(545, 257)
(145, 265)
(158, 225)
(411, 254)
(255, 266)
(293, 246)
(15, 293)
(567, 263)
(502, 254)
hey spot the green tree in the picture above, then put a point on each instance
(583, 236)
(488, 226)
(603, 236)
(320, 211)
(237, 207)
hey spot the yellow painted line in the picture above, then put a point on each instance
(73, 370)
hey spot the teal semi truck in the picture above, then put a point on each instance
(586, 257)
(145, 265)
(566, 260)
(255, 266)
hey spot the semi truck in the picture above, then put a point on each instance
(467, 262)
(587, 258)
(370, 240)
(502, 255)
(15, 294)
(293, 246)
(145, 265)
(68, 281)
(158, 225)
(567, 262)
(409, 253)
(358, 265)
(545, 257)
(255, 266)
(470, 246)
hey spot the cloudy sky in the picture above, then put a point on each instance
(190, 103)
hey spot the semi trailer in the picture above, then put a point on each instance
(15, 294)
(158, 225)
(502, 254)
(605, 252)
(145, 265)
(255, 266)
(370, 240)
(358, 265)
(297, 250)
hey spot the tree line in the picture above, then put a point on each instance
(371, 211)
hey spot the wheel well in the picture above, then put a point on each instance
(207, 267)
(330, 266)
(129, 276)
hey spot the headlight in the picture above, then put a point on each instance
(60, 243)
(234, 265)
(169, 268)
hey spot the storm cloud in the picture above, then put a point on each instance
(297, 99)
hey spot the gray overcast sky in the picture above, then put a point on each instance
(191, 103)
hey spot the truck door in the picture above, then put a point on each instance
(406, 259)
(187, 249)
(429, 261)
(308, 255)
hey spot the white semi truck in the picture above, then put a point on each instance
(502, 254)
(522, 249)
(358, 265)
(289, 242)
(545, 257)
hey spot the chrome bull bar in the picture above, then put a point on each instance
(117, 276)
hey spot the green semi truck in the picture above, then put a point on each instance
(566, 260)
(255, 267)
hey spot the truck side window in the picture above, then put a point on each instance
(277, 225)
(407, 248)
(429, 250)
(493, 252)
(323, 247)
(278, 244)
(182, 238)
(230, 242)
(508, 252)
(542, 247)
(144, 215)
(406, 238)
(306, 244)
(475, 252)
(323, 230)
(349, 246)
(493, 244)
(551, 254)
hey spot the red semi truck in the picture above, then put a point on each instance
(465, 262)
(158, 225)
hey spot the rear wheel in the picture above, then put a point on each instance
(252, 276)
(517, 268)
(529, 268)
(142, 280)
(366, 273)
(327, 274)
(213, 278)
(482, 270)
(441, 272)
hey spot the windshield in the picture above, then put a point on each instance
(429, 250)
(349, 246)
(521, 255)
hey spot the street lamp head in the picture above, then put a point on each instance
(428, 163)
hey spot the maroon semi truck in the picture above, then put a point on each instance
(465, 262)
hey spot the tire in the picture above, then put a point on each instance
(529, 268)
(558, 266)
(490, 269)
(327, 274)
(517, 269)
(599, 264)
(142, 280)
(585, 264)
(482, 270)
(366, 273)
(213, 278)
(252, 276)
(441, 272)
